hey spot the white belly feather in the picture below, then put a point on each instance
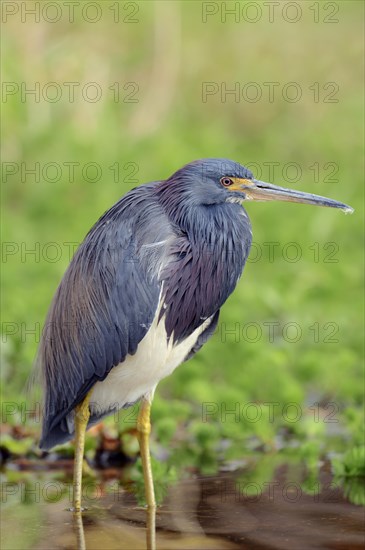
(139, 374)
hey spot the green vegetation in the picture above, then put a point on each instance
(284, 369)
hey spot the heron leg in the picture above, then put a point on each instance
(82, 415)
(144, 430)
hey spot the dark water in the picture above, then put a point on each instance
(226, 511)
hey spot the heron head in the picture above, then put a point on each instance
(212, 181)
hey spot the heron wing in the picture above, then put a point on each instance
(104, 305)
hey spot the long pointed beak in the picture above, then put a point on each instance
(257, 190)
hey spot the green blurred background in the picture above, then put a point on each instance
(151, 69)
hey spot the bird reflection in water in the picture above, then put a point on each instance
(79, 530)
(150, 529)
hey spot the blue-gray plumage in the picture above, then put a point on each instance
(143, 291)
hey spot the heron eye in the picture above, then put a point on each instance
(226, 182)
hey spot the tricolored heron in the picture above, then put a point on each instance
(142, 295)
